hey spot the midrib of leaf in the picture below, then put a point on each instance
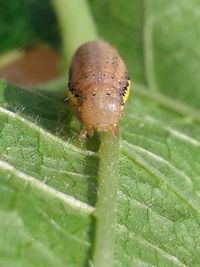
(103, 252)
(69, 200)
(11, 114)
(166, 102)
(70, 146)
(148, 47)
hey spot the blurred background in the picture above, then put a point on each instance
(30, 42)
(159, 41)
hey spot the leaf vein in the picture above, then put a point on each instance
(159, 159)
(157, 174)
(141, 239)
(45, 133)
(69, 200)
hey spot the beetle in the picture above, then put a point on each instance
(98, 87)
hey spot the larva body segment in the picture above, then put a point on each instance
(98, 86)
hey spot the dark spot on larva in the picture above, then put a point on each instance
(76, 95)
(93, 74)
(70, 87)
(108, 93)
(104, 74)
(112, 77)
(93, 94)
(86, 76)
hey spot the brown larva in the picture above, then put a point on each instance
(98, 87)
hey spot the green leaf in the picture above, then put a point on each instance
(44, 185)
(48, 179)
(26, 22)
(159, 40)
(48, 184)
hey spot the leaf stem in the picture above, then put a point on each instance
(75, 23)
(106, 203)
(77, 27)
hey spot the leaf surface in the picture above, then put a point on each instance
(159, 41)
(49, 181)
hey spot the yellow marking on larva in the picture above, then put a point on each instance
(72, 98)
(125, 97)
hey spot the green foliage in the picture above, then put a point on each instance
(159, 40)
(158, 194)
(24, 23)
(48, 180)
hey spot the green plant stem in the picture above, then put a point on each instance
(75, 23)
(106, 203)
(77, 27)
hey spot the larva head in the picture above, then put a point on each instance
(101, 110)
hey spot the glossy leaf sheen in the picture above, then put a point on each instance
(158, 209)
(48, 180)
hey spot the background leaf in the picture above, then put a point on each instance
(48, 180)
(159, 41)
(24, 23)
